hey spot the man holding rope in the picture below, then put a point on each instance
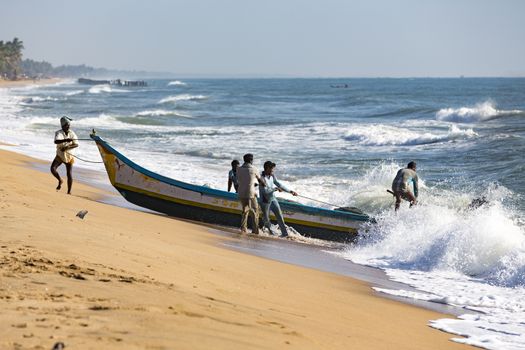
(66, 141)
(268, 199)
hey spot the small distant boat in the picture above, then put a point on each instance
(200, 203)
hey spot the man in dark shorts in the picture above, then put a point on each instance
(65, 140)
(401, 185)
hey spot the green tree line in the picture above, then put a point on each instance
(13, 67)
(11, 58)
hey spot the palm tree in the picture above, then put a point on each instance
(3, 63)
(16, 56)
(10, 57)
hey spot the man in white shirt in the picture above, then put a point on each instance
(269, 201)
(65, 140)
(248, 176)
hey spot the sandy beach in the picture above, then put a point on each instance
(124, 279)
(19, 83)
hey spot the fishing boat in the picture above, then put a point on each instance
(201, 203)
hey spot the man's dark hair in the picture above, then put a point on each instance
(248, 158)
(235, 162)
(411, 165)
(269, 165)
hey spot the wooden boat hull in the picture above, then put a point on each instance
(199, 203)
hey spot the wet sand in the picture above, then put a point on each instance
(123, 278)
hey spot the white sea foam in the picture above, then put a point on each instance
(40, 99)
(480, 112)
(182, 97)
(74, 92)
(97, 89)
(43, 120)
(162, 113)
(473, 259)
(386, 135)
(177, 82)
(103, 120)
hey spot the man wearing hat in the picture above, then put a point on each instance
(66, 140)
(268, 199)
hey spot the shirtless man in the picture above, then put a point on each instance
(401, 185)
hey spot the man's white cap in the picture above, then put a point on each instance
(65, 120)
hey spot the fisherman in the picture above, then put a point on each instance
(247, 176)
(232, 176)
(268, 199)
(401, 185)
(65, 140)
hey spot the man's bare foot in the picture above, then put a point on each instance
(59, 184)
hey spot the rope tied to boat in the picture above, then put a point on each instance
(316, 200)
(83, 160)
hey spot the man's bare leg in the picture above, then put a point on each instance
(69, 170)
(411, 198)
(56, 163)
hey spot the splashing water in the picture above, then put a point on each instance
(468, 257)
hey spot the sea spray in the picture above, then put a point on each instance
(467, 257)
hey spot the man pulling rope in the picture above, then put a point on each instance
(66, 141)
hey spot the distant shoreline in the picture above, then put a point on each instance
(25, 82)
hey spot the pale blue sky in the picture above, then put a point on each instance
(330, 38)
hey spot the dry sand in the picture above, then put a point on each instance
(123, 279)
(25, 82)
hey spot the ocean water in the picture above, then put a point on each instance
(341, 146)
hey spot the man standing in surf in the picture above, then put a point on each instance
(65, 140)
(248, 176)
(401, 185)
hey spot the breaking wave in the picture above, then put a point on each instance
(480, 112)
(74, 92)
(177, 82)
(162, 113)
(182, 97)
(97, 89)
(385, 135)
(40, 99)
